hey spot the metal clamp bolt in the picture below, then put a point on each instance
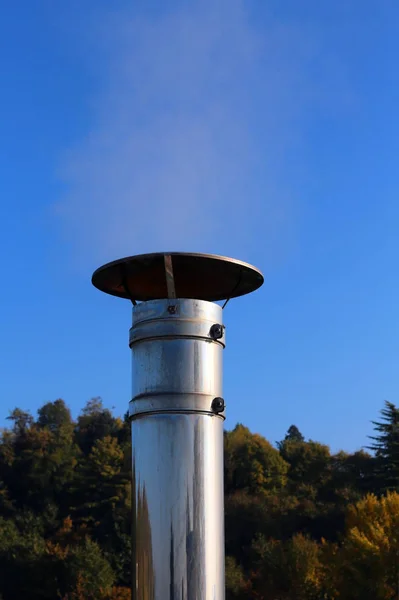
(218, 405)
(217, 331)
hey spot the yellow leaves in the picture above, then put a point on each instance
(120, 593)
(363, 566)
(66, 526)
(118, 423)
(367, 565)
(287, 570)
(304, 555)
(385, 510)
(373, 523)
(56, 550)
(107, 457)
(59, 547)
(80, 592)
(373, 541)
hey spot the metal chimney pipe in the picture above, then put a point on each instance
(177, 445)
(177, 414)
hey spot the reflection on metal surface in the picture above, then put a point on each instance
(176, 363)
(177, 446)
(142, 548)
(178, 540)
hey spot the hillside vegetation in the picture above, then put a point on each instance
(301, 523)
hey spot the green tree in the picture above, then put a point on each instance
(88, 571)
(95, 422)
(309, 462)
(65, 512)
(55, 416)
(44, 461)
(386, 448)
(22, 421)
(102, 480)
(25, 567)
(290, 570)
(103, 502)
(309, 473)
(236, 584)
(251, 463)
(352, 476)
(293, 435)
(247, 515)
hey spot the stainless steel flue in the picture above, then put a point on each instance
(177, 412)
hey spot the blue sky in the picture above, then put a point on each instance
(266, 131)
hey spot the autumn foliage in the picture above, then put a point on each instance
(301, 523)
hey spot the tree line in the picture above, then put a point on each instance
(301, 522)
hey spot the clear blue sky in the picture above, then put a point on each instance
(267, 131)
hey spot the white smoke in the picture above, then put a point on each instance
(197, 117)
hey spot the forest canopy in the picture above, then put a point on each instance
(301, 522)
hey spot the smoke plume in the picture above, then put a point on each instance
(197, 120)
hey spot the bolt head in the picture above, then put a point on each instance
(216, 331)
(218, 405)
